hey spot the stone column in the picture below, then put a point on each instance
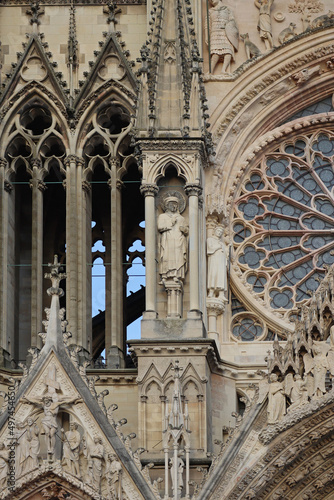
(215, 307)
(150, 191)
(193, 191)
(114, 334)
(6, 292)
(76, 265)
(38, 187)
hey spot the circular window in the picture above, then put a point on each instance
(284, 223)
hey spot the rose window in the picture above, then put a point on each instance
(284, 222)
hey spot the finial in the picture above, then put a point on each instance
(111, 9)
(35, 12)
(56, 277)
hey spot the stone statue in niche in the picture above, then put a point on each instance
(4, 457)
(317, 366)
(296, 389)
(276, 400)
(179, 466)
(114, 477)
(217, 265)
(264, 23)
(95, 463)
(71, 449)
(173, 241)
(223, 35)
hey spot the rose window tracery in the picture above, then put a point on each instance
(284, 223)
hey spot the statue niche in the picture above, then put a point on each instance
(173, 250)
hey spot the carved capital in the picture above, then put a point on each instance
(119, 184)
(86, 186)
(114, 162)
(3, 163)
(215, 306)
(149, 189)
(80, 162)
(193, 189)
(7, 186)
(35, 163)
(38, 183)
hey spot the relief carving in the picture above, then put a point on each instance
(264, 23)
(71, 449)
(223, 38)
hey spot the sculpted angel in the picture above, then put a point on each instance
(317, 366)
(223, 35)
(276, 400)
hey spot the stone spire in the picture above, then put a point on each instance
(176, 436)
(171, 75)
(72, 51)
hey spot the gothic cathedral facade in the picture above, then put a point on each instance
(166, 249)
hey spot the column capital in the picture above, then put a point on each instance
(7, 186)
(38, 183)
(193, 189)
(35, 162)
(149, 189)
(114, 162)
(119, 184)
(3, 162)
(74, 159)
(86, 186)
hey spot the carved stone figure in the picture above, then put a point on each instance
(324, 20)
(28, 447)
(114, 476)
(71, 449)
(173, 242)
(296, 389)
(264, 23)
(287, 34)
(224, 35)
(179, 466)
(95, 463)
(318, 366)
(4, 457)
(250, 47)
(217, 265)
(110, 413)
(276, 400)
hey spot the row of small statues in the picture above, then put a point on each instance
(297, 389)
(28, 458)
(223, 37)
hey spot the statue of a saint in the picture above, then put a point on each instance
(179, 466)
(296, 389)
(114, 476)
(95, 463)
(264, 24)
(317, 366)
(217, 265)
(29, 446)
(276, 400)
(71, 449)
(173, 241)
(224, 35)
